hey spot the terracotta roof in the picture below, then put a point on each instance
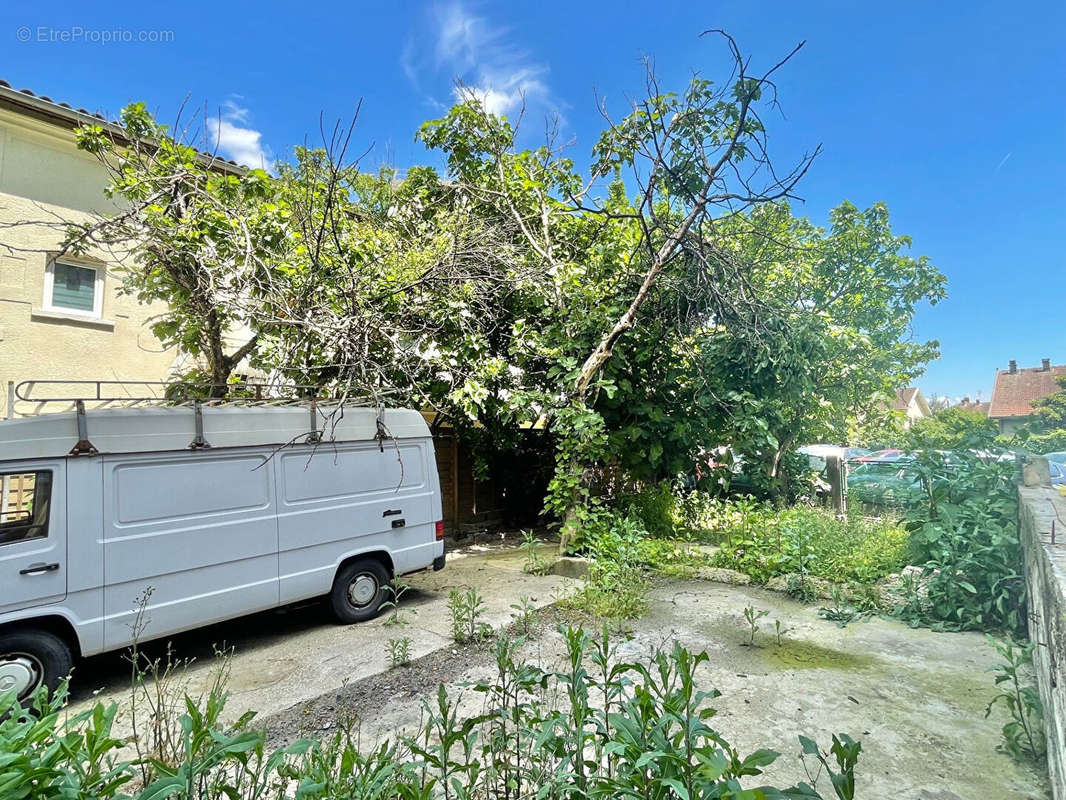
(967, 404)
(1014, 392)
(42, 107)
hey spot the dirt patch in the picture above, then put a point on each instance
(389, 702)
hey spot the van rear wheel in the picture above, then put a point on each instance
(30, 658)
(359, 590)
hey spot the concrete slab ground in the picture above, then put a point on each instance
(297, 654)
(915, 698)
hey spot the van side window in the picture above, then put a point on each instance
(25, 500)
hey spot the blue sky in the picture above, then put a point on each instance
(953, 113)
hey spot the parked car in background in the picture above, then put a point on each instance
(818, 453)
(877, 455)
(1058, 473)
(891, 480)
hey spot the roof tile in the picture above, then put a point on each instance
(1015, 392)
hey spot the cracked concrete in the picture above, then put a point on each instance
(916, 698)
(297, 654)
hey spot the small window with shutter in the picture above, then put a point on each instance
(73, 289)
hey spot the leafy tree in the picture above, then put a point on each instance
(1046, 432)
(661, 303)
(953, 429)
(197, 237)
(842, 300)
(1049, 413)
(695, 159)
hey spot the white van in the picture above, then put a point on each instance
(195, 515)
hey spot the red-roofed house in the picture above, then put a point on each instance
(966, 404)
(911, 402)
(1016, 390)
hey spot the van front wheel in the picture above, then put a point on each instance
(359, 590)
(30, 658)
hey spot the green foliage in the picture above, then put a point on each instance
(801, 588)
(1023, 734)
(966, 536)
(755, 328)
(1046, 432)
(952, 429)
(615, 587)
(44, 752)
(202, 241)
(398, 617)
(398, 651)
(656, 507)
(752, 617)
(1050, 411)
(843, 299)
(779, 631)
(466, 609)
(534, 564)
(842, 611)
(845, 752)
(621, 730)
(763, 542)
(525, 616)
(877, 428)
(1052, 441)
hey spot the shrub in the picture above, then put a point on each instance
(763, 542)
(615, 586)
(655, 508)
(966, 535)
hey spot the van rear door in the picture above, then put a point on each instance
(33, 534)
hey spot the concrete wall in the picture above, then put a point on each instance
(45, 180)
(1045, 567)
(1009, 426)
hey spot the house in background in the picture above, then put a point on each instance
(913, 405)
(61, 317)
(1015, 390)
(64, 318)
(978, 405)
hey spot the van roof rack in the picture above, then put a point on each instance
(44, 395)
(131, 421)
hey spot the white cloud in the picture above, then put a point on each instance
(460, 35)
(504, 94)
(481, 59)
(231, 136)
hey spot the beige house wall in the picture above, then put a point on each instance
(45, 179)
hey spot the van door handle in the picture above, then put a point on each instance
(39, 569)
(391, 512)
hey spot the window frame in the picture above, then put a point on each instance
(45, 524)
(97, 311)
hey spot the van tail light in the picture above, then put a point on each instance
(440, 530)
